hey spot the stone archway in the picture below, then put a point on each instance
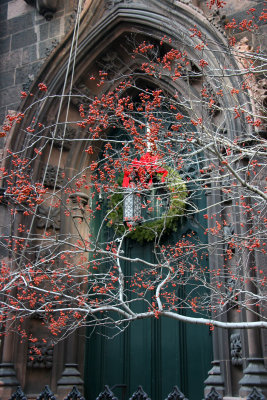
(98, 45)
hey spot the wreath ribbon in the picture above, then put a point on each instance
(147, 166)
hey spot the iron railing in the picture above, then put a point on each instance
(139, 394)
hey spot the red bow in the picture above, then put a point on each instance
(148, 165)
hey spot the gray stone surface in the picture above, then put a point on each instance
(9, 96)
(3, 29)
(23, 39)
(26, 39)
(11, 60)
(44, 29)
(20, 23)
(29, 54)
(5, 45)
(2, 117)
(54, 28)
(3, 12)
(23, 73)
(6, 79)
(46, 47)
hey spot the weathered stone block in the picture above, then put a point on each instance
(11, 60)
(29, 54)
(5, 45)
(9, 96)
(20, 23)
(17, 8)
(15, 106)
(23, 39)
(2, 118)
(6, 79)
(44, 31)
(54, 28)
(3, 12)
(24, 73)
(46, 47)
(3, 29)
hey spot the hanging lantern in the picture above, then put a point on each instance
(132, 207)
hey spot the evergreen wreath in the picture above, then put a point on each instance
(147, 231)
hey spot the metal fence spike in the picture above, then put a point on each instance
(213, 395)
(107, 394)
(18, 395)
(255, 394)
(176, 394)
(139, 394)
(75, 394)
(46, 394)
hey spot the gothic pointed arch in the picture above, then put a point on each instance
(109, 31)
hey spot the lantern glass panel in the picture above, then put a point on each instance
(132, 208)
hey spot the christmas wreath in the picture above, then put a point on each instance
(142, 176)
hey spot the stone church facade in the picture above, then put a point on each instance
(35, 43)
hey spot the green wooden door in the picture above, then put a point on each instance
(154, 353)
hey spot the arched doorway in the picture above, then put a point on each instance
(161, 340)
(156, 353)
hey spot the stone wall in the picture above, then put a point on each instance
(237, 9)
(26, 41)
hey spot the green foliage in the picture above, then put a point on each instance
(148, 231)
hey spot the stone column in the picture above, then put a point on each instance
(255, 374)
(8, 379)
(71, 376)
(215, 377)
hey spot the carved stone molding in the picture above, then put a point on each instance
(48, 217)
(62, 138)
(70, 377)
(112, 3)
(243, 49)
(80, 95)
(218, 20)
(236, 349)
(79, 201)
(8, 380)
(261, 94)
(53, 176)
(258, 85)
(227, 187)
(228, 232)
(212, 99)
(255, 375)
(40, 355)
(51, 47)
(110, 62)
(231, 287)
(215, 379)
(47, 8)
